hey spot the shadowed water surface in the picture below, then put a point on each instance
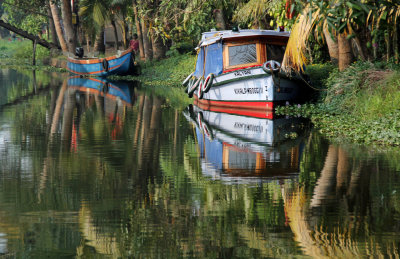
(95, 168)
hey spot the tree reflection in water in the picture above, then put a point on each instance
(85, 174)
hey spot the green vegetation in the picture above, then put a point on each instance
(17, 54)
(360, 104)
(20, 51)
(166, 77)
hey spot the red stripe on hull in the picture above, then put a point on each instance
(99, 92)
(111, 69)
(263, 109)
(239, 68)
(97, 60)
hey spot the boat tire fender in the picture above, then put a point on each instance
(106, 87)
(189, 84)
(208, 82)
(200, 91)
(193, 87)
(271, 65)
(204, 127)
(105, 65)
(186, 81)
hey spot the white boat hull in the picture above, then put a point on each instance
(250, 89)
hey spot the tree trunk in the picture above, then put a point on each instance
(219, 19)
(57, 110)
(345, 56)
(87, 42)
(68, 26)
(34, 53)
(146, 41)
(125, 31)
(52, 28)
(159, 48)
(323, 188)
(388, 49)
(396, 45)
(56, 19)
(68, 116)
(358, 49)
(138, 31)
(343, 171)
(115, 34)
(99, 42)
(332, 46)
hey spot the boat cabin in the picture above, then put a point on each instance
(225, 51)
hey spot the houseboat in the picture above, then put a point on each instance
(241, 69)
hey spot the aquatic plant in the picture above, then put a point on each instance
(361, 105)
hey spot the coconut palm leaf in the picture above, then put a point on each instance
(294, 58)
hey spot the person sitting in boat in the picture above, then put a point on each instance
(134, 43)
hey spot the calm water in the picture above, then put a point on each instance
(109, 169)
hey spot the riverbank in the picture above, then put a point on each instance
(357, 105)
(360, 104)
(166, 76)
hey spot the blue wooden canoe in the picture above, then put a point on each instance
(122, 90)
(121, 64)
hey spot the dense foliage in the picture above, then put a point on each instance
(360, 104)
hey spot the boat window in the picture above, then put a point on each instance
(242, 54)
(275, 52)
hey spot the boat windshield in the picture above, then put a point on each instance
(242, 54)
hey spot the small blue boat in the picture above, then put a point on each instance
(120, 64)
(121, 90)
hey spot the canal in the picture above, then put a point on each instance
(94, 168)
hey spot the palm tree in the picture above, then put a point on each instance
(98, 12)
(68, 26)
(339, 20)
(57, 24)
(138, 29)
(120, 8)
(384, 16)
(94, 12)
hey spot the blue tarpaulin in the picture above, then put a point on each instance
(212, 55)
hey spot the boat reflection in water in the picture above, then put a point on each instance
(241, 148)
(110, 98)
(111, 90)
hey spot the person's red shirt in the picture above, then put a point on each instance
(134, 44)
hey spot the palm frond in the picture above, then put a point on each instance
(252, 10)
(294, 58)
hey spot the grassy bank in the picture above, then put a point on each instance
(18, 54)
(20, 51)
(164, 77)
(360, 104)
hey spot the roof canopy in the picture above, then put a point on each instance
(215, 36)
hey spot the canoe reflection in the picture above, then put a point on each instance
(113, 90)
(109, 97)
(235, 147)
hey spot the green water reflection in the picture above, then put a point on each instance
(102, 169)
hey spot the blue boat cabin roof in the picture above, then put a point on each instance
(223, 51)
